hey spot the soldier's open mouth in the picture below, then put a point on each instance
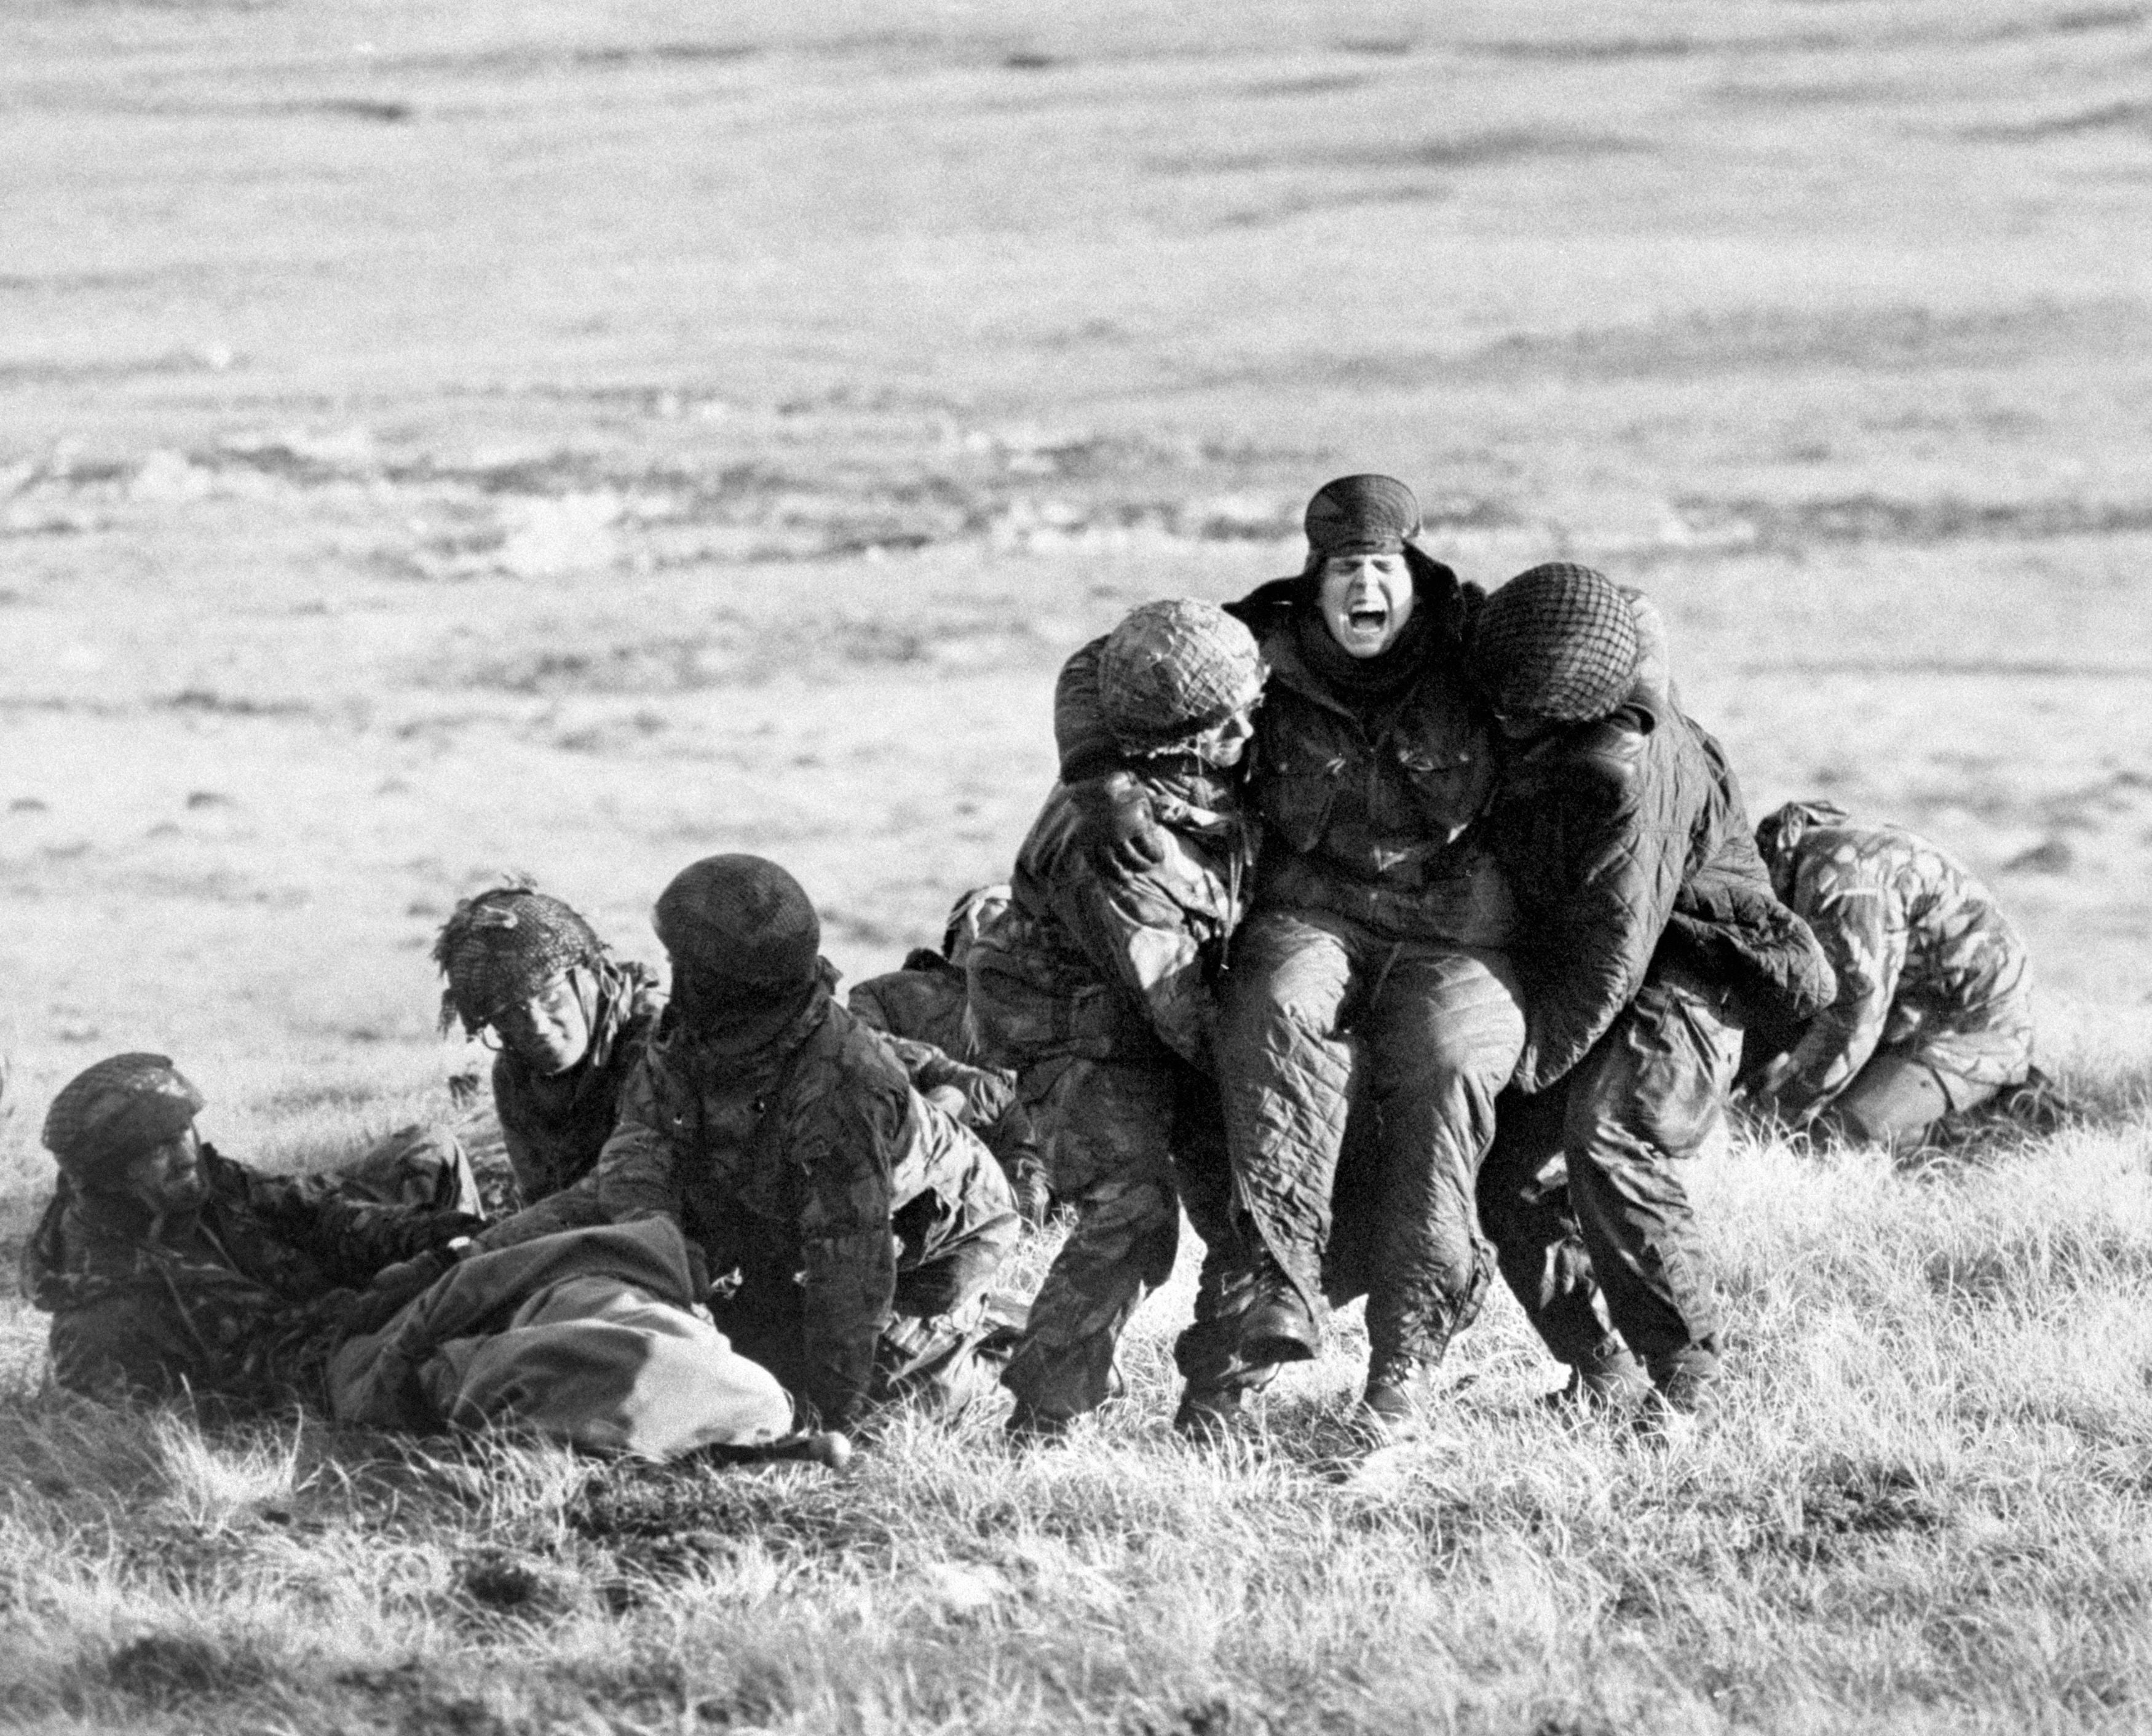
(1369, 620)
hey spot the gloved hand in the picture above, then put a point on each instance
(1119, 831)
(406, 1278)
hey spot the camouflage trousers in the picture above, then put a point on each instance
(423, 1167)
(1582, 1194)
(1124, 1142)
(952, 1239)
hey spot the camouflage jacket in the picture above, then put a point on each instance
(1626, 844)
(1369, 810)
(807, 1161)
(924, 1000)
(243, 1298)
(556, 1126)
(1926, 960)
(1097, 961)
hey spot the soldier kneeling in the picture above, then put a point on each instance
(860, 1223)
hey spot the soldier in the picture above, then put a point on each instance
(1647, 927)
(570, 1020)
(863, 1223)
(1370, 967)
(1098, 983)
(1934, 1013)
(921, 1009)
(168, 1267)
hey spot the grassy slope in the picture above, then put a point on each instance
(442, 438)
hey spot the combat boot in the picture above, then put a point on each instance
(1396, 1404)
(1607, 1379)
(1212, 1415)
(1277, 1325)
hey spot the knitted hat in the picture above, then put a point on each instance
(1557, 643)
(1171, 670)
(504, 946)
(741, 929)
(1361, 515)
(108, 1115)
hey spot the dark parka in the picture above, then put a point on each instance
(1366, 814)
(810, 1167)
(1625, 842)
(243, 1298)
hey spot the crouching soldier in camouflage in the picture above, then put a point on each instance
(1647, 926)
(570, 1022)
(168, 1267)
(921, 1009)
(1097, 983)
(1934, 1013)
(863, 1223)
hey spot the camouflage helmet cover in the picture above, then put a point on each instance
(739, 930)
(1557, 643)
(1780, 830)
(108, 1114)
(503, 945)
(1171, 670)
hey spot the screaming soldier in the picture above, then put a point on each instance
(1098, 982)
(1370, 967)
(863, 1223)
(1647, 927)
(167, 1267)
(572, 1023)
(1934, 1013)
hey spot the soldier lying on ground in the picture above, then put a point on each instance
(1934, 1013)
(1370, 966)
(570, 1022)
(171, 1270)
(921, 1009)
(858, 1225)
(1647, 927)
(167, 1267)
(1097, 982)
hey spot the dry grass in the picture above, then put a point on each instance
(442, 438)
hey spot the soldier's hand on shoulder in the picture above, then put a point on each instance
(1121, 832)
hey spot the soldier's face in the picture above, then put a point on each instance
(549, 1032)
(1367, 600)
(169, 1177)
(1223, 744)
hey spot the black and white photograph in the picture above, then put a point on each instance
(1228, 869)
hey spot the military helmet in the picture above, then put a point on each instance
(741, 929)
(1171, 670)
(1557, 643)
(504, 946)
(108, 1115)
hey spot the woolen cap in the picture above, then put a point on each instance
(1173, 669)
(1362, 514)
(742, 927)
(1557, 643)
(108, 1115)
